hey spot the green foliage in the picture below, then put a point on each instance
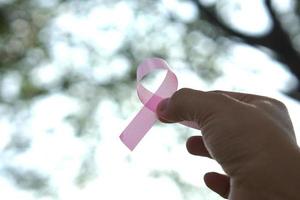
(30, 41)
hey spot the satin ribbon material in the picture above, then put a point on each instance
(146, 117)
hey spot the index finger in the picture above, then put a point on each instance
(193, 105)
(250, 98)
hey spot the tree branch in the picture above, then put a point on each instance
(277, 39)
(216, 21)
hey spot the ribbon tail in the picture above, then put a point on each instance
(138, 127)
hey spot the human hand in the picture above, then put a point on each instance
(250, 136)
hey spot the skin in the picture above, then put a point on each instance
(250, 136)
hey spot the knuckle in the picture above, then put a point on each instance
(180, 94)
(182, 101)
(220, 97)
(179, 97)
(277, 103)
(271, 103)
(217, 91)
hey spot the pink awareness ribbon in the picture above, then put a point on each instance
(146, 117)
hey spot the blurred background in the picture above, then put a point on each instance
(67, 89)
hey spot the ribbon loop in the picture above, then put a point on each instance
(165, 90)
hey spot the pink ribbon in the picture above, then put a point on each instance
(146, 117)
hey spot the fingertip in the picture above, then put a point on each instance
(209, 176)
(160, 118)
(162, 106)
(161, 110)
(195, 146)
(189, 143)
(219, 183)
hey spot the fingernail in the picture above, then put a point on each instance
(162, 106)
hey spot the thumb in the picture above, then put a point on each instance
(219, 183)
(193, 105)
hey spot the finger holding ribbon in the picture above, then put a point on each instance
(146, 117)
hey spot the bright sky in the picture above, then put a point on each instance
(59, 154)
